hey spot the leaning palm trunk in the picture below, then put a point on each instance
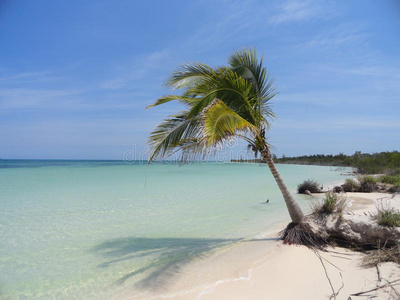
(294, 209)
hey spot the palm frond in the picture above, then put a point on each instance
(165, 99)
(188, 74)
(246, 64)
(169, 134)
(220, 103)
(228, 87)
(221, 123)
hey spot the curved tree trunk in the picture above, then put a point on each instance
(294, 209)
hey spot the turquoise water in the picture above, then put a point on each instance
(96, 229)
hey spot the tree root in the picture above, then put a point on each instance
(299, 234)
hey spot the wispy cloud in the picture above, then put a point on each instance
(340, 39)
(140, 67)
(17, 98)
(321, 98)
(382, 73)
(28, 77)
(24, 75)
(344, 34)
(297, 11)
(338, 124)
(379, 71)
(40, 91)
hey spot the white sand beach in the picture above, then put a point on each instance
(265, 268)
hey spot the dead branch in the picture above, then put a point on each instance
(375, 289)
(334, 294)
(379, 273)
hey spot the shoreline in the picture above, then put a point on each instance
(265, 268)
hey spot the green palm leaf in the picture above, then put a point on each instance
(221, 123)
(188, 74)
(221, 103)
(165, 99)
(171, 132)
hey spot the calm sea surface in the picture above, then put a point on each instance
(97, 229)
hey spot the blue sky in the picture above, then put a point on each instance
(75, 76)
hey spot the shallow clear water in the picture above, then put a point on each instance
(91, 229)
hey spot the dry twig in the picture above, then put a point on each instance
(377, 288)
(334, 294)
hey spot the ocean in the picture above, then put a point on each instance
(77, 229)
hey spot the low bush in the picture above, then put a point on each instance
(332, 203)
(351, 185)
(367, 183)
(310, 185)
(367, 178)
(338, 189)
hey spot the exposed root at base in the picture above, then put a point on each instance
(299, 234)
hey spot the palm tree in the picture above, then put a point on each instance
(221, 103)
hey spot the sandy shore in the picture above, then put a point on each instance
(264, 268)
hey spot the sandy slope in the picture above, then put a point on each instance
(267, 269)
(298, 273)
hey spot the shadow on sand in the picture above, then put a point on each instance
(166, 255)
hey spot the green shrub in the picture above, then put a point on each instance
(367, 178)
(395, 180)
(332, 203)
(367, 183)
(384, 162)
(351, 185)
(310, 185)
(388, 217)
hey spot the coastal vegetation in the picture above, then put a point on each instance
(309, 185)
(388, 216)
(332, 203)
(221, 104)
(390, 179)
(370, 183)
(350, 185)
(385, 163)
(365, 163)
(367, 183)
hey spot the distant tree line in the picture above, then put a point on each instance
(365, 163)
(383, 162)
